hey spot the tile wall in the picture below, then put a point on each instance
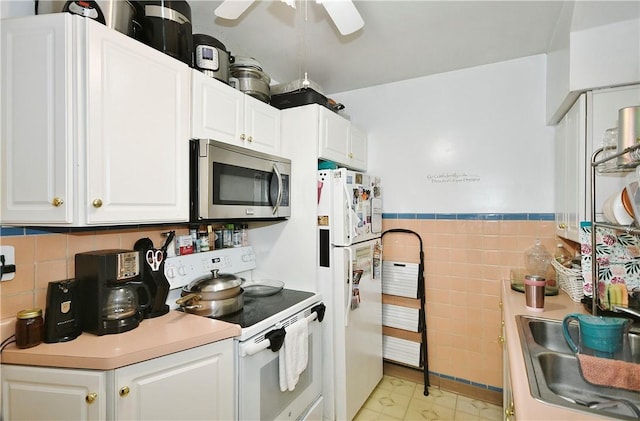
(42, 257)
(466, 257)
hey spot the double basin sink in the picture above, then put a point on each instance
(554, 375)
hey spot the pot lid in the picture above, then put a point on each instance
(203, 39)
(214, 282)
(247, 62)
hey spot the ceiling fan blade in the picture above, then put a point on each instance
(344, 14)
(232, 9)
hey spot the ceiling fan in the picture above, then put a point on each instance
(343, 12)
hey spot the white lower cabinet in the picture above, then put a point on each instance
(95, 126)
(43, 393)
(194, 384)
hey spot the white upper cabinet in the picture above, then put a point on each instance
(95, 126)
(578, 134)
(225, 114)
(340, 141)
(571, 163)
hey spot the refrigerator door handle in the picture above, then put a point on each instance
(349, 287)
(348, 232)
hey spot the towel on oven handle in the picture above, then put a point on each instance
(294, 355)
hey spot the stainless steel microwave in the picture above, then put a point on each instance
(230, 182)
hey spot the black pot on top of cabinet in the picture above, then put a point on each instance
(165, 26)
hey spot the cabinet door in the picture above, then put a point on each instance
(334, 137)
(571, 169)
(196, 384)
(261, 126)
(216, 110)
(358, 149)
(37, 138)
(42, 393)
(137, 131)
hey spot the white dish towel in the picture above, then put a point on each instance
(294, 354)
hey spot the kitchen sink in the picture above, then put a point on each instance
(554, 376)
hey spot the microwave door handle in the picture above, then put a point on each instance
(349, 286)
(279, 199)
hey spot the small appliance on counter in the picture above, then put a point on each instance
(108, 288)
(61, 318)
(166, 26)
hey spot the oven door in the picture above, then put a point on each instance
(258, 392)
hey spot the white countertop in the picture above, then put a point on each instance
(526, 406)
(173, 332)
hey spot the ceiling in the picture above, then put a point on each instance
(400, 40)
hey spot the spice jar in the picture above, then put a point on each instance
(29, 328)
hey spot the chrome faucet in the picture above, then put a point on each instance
(627, 310)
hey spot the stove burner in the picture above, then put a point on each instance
(257, 309)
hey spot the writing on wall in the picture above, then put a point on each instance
(453, 177)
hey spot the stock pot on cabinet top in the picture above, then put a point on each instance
(116, 14)
(247, 76)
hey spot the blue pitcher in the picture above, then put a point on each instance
(604, 337)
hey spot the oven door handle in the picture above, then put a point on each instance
(256, 347)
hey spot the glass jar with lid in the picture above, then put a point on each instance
(29, 328)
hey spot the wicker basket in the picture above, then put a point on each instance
(570, 281)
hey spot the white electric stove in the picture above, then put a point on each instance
(258, 394)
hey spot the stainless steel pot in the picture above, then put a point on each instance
(195, 304)
(118, 14)
(213, 295)
(248, 77)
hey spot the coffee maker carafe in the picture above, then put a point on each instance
(110, 290)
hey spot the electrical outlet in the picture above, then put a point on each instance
(9, 262)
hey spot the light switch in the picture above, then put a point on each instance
(9, 264)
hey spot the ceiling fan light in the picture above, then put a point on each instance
(232, 9)
(344, 15)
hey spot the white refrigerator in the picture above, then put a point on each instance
(349, 258)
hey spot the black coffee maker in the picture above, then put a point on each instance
(110, 291)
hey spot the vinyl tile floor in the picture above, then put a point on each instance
(399, 399)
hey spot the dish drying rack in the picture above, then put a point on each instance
(405, 290)
(597, 166)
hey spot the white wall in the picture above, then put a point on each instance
(468, 141)
(16, 8)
